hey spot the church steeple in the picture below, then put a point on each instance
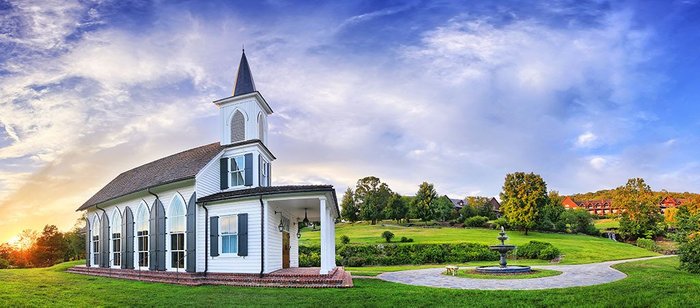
(244, 79)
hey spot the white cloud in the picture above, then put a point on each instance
(598, 162)
(586, 139)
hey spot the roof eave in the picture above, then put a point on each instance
(255, 94)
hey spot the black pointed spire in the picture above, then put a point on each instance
(244, 80)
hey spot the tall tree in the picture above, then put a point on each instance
(640, 211)
(481, 206)
(350, 210)
(50, 247)
(523, 196)
(424, 201)
(550, 218)
(396, 208)
(372, 197)
(444, 208)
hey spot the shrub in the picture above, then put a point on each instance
(309, 259)
(345, 239)
(387, 235)
(537, 250)
(689, 253)
(476, 221)
(501, 222)
(647, 244)
(406, 239)
(393, 254)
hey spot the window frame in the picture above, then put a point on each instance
(222, 234)
(263, 173)
(174, 254)
(240, 171)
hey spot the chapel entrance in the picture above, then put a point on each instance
(285, 249)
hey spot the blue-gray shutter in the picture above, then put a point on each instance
(152, 231)
(87, 242)
(249, 169)
(223, 173)
(128, 239)
(269, 174)
(104, 241)
(160, 236)
(260, 171)
(191, 240)
(242, 234)
(214, 236)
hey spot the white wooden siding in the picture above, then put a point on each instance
(231, 264)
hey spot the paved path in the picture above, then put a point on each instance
(572, 276)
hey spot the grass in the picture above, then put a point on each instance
(603, 224)
(652, 283)
(536, 273)
(577, 249)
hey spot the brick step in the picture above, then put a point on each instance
(338, 279)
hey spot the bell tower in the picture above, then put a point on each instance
(246, 161)
(243, 116)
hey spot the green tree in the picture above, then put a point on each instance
(444, 208)
(579, 221)
(372, 196)
(50, 247)
(640, 211)
(397, 208)
(550, 215)
(350, 210)
(523, 195)
(424, 201)
(480, 206)
(686, 224)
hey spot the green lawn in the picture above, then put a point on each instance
(603, 224)
(650, 283)
(576, 248)
(537, 273)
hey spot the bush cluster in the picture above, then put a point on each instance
(345, 239)
(647, 244)
(392, 254)
(476, 221)
(406, 239)
(689, 253)
(537, 250)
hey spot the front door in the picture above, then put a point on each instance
(285, 249)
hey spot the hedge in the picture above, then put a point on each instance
(537, 250)
(392, 254)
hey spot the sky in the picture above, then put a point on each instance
(585, 93)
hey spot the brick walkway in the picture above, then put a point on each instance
(572, 276)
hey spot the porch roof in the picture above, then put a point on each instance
(270, 190)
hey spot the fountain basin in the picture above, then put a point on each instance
(510, 269)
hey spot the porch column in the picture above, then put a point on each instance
(327, 239)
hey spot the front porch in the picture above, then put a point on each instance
(307, 277)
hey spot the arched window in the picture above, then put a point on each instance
(237, 127)
(177, 221)
(116, 238)
(96, 241)
(142, 218)
(261, 127)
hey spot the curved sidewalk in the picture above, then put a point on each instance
(572, 276)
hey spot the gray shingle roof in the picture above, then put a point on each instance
(176, 167)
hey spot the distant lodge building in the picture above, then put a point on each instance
(605, 206)
(460, 203)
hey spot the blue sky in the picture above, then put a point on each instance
(585, 93)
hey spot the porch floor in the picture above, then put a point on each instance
(303, 277)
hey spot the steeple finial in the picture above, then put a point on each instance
(244, 78)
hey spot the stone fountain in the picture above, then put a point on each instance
(503, 250)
